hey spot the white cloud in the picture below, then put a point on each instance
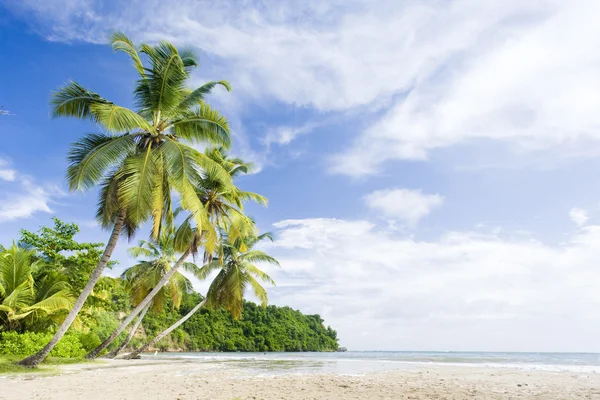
(405, 205)
(463, 291)
(578, 216)
(6, 173)
(523, 73)
(21, 197)
(283, 135)
(498, 88)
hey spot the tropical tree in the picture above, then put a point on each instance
(222, 204)
(236, 273)
(65, 257)
(145, 275)
(143, 154)
(24, 303)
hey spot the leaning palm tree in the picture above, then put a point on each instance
(222, 204)
(145, 275)
(237, 273)
(25, 304)
(143, 154)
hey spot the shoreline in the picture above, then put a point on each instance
(301, 357)
(193, 379)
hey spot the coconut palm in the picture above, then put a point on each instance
(143, 154)
(236, 273)
(222, 204)
(25, 304)
(145, 275)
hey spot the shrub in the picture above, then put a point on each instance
(68, 347)
(24, 344)
(89, 341)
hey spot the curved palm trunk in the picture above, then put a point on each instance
(135, 327)
(94, 353)
(164, 333)
(34, 360)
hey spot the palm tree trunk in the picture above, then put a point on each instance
(135, 327)
(34, 360)
(94, 353)
(164, 333)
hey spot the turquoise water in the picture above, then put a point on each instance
(357, 362)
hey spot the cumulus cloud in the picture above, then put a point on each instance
(405, 205)
(440, 73)
(578, 216)
(464, 290)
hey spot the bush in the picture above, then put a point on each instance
(68, 347)
(13, 343)
(24, 344)
(89, 341)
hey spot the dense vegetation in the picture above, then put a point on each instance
(52, 257)
(268, 328)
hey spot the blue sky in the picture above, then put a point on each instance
(430, 166)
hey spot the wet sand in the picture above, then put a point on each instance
(140, 379)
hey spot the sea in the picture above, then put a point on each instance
(360, 362)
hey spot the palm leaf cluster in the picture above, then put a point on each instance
(158, 257)
(145, 153)
(25, 303)
(237, 272)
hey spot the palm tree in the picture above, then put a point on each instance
(141, 158)
(25, 304)
(222, 204)
(145, 275)
(237, 273)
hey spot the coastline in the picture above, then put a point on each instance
(190, 379)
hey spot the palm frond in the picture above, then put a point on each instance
(73, 100)
(253, 270)
(182, 167)
(203, 125)
(207, 269)
(58, 301)
(258, 290)
(120, 42)
(136, 182)
(93, 155)
(160, 92)
(119, 119)
(197, 96)
(259, 256)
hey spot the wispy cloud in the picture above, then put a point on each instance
(22, 197)
(444, 73)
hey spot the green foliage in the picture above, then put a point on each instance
(260, 328)
(26, 303)
(160, 257)
(66, 259)
(146, 153)
(53, 251)
(51, 242)
(238, 273)
(62, 254)
(23, 344)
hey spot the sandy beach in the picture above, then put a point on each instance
(193, 380)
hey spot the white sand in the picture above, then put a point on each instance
(216, 381)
